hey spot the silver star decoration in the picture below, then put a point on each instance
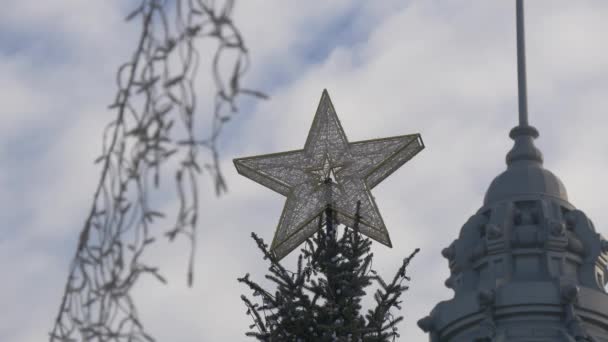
(332, 172)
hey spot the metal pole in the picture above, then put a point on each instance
(328, 210)
(329, 220)
(521, 65)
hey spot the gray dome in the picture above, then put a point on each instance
(525, 176)
(525, 180)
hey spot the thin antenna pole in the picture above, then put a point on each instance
(523, 134)
(521, 65)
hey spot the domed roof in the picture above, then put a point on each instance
(525, 175)
(523, 181)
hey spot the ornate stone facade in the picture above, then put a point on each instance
(528, 266)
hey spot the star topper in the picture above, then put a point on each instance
(332, 172)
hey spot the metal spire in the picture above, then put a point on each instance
(523, 134)
(521, 65)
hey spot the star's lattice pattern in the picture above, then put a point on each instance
(354, 168)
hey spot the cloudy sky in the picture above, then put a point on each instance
(442, 68)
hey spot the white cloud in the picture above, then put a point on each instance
(442, 68)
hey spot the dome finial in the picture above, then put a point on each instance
(523, 134)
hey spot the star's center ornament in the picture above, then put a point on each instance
(353, 168)
(326, 172)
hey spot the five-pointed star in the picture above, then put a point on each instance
(354, 168)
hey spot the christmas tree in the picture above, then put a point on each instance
(321, 300)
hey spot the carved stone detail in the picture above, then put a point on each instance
(493, 231)
(487, 327)
(574, 324)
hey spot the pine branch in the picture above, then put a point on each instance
(289, 299)
(380, 319)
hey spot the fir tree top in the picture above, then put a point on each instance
(321, 300)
